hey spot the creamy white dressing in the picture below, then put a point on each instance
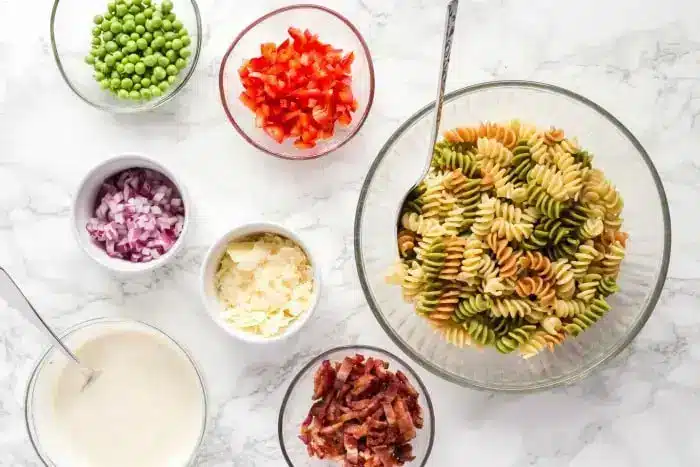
(144, 410)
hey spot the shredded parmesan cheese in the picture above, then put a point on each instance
(265, 281)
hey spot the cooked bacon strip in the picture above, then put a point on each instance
(323, 380)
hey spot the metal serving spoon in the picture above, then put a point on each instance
(450, 19)
(14, 296)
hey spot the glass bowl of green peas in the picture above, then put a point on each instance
(126, 56)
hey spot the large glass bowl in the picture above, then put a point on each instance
(646, 218)
(332, 28)
(71, 24)
(297, 402)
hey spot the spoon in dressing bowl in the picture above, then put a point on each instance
(450, 19)
(11, 292)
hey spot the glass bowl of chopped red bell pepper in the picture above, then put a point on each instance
(298, 82)
(356, 405)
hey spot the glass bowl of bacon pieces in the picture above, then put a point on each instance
(356, 406)
(298, 82)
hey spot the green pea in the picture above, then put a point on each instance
(108, 15)
(158, 42)
(163, 61)
(120, 68)
(166, 6)
(145, 93)
(177, 44)
(177, 25)
(90, 59)
(156, 22)
(186, 41)
(171, 79)
(148, 12)
(137, 86)
(181, 63)
(111, 6)
(157, 33)
(115, 83)
(128, 17)
(118, 55)
(131, 46)
(163, 85)
(125, 60)
(140, 29)
(159, 73)
(110, 60)
(107, 36)
(129, 68)
(96, 41)
(134, 36)
(146, 2)
(148, 51)
(127, 83)
(150, 60)
(167, 25)
(169, 36)
(101, 66)
(140, 19)
(114, 74)
(172, 55)
(123, 39)
(140, 68)
(104, 84)
(100, 52)
(183, 32)
(171, 17)
(141, 43)
(148, 36)
(116, 28)
(134, 58)
(155, 91)
(98, 19)
(168, 45)
(135, 9)
(171, 70)
(157, 14)
(145, 82)
(184, 53)
(135, 95)
(123, 94)
(111, 46)
(105, 26)
(99, 76)
(121, 10)
(96, 31)
(129, 26)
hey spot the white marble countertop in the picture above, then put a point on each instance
(640, 59)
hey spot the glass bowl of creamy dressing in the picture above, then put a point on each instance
(147, 408)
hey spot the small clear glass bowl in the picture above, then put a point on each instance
(38, 398)
(617, 152)
(298, 400)
(332, 28)
(71, 25)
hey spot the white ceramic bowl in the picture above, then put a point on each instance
(211, 263)
(84, 206)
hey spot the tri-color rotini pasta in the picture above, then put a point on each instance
(513, 239)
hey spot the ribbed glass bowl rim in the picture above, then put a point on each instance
(553, 382)
(149, 105)
(354, 349)
(29, 391)
(241, 35)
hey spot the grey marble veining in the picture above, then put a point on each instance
(640, 59)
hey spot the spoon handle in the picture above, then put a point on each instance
(14, 296)
(450, 20)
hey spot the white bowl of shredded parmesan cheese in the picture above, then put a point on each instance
(260, 283)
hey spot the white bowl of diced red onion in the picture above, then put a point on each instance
(130, 214)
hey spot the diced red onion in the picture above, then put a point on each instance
(138, 217)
